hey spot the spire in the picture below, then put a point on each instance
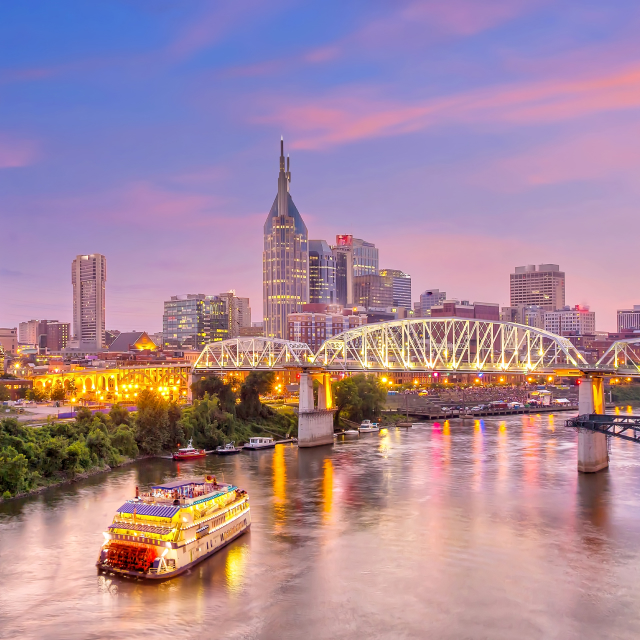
(288, 173)
(281, 153)
(283, 184)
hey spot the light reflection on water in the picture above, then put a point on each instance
(445, 530)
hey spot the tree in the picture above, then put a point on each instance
(37, 395)
(216, 386)
(256, 383)
(119, 415)
(4, 393)
(57, 393)
(200, 423)
(152, 422)
(124, 441)
(360, 397)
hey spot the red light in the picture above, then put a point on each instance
(578, 381)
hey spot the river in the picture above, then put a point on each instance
(444, 531)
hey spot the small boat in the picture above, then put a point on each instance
(228, 449)
(368, 427)
(351, 433)
(188, 452)
(260, 443)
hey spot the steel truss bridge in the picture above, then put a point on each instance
(420, 344)
(625, 427)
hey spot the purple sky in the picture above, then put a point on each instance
(463, 137)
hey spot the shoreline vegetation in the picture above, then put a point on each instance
(35, 458)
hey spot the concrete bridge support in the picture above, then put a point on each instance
(592, 447)
(315, 424)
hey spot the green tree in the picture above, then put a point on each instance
(119, 415)
(78, 457)
(359, 397)
(256, 383)
(152, 423)
(200, 423)
(124, 441)
(4, 393)
(57, 393)
(14, 471)
(37, 395)
(216, 386)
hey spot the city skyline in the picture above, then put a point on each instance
(518, 155)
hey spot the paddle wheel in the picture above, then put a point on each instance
(130, 557)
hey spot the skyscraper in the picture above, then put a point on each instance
(239, 312)
(285, 259)
(193, 320)
(542, 286)
(353, 257)
(88, 277)
(322, 273)
(401, 287)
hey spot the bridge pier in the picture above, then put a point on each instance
(592, 446)
(315, 424)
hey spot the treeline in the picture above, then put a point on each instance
(360, 397)
(626, 392)
(222, 411)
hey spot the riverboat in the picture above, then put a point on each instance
(188, 452)
(260, 443)
(228, 449)
(162, 533)
(368, 427)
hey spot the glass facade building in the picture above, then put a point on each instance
(401, 287)
(285, 259)
(193, 320)
(322, 273)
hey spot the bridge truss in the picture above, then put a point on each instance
(448, 344)
(622, 356)
(625, 427)
(247, 354)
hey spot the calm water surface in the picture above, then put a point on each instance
(481, 530)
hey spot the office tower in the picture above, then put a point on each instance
(322, 273)
(401, 287)
(317, 322)
(430, 298)
(576, 321)
(9, 340)
(543, 286)
(353, 257)
(56, 335)
(193, 320)
(373, 291)
(285, 259)
(629, 319)
(88, 277)
(239, 312)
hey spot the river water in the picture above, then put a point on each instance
(445, 531)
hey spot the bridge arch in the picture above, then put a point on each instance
(622, 355)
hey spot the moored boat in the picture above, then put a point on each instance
(162, 533)
(259, 443)
(368, 427)
(228, 449)
(350, 433)
(188, 452)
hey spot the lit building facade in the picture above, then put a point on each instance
(629, 319)
(353, 257)
(193, 320)
(88, 278)
(239, 311)
(314, 327)
(401, 287)
(9, 340)
(543, 286)
(571, 321)
(430, 298)
(285, 259)
(322, 273)
(373, 291)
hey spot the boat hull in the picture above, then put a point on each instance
(177, 456)
(226, 452)
(369, 430)
(258, 447)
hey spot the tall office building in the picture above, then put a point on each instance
(239, 312)
(571, 321)
(373, 291)
(353, 257)
(322, 273)
(193, 320)
(285, 259)
(88, 277)
(42, 334)
(543, 286)
(401, 287)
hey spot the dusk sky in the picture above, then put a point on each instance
(462, 137)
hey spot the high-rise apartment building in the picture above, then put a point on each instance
(57, 335)
(49, 334)
(88, 277)
(373, 291)
(322, 273)
(353, 257)
(571, 321)
(430, 298)
(193, 320)
(9, 340)
(401, 287)
(543, 286)
(239, 312)
(285, 259)
(629, 319)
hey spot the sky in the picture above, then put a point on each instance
(462, 137)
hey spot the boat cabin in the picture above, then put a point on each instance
(260, 440)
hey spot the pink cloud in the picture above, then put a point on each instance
(347, 116)
(17, 153)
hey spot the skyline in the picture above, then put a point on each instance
(502, 137)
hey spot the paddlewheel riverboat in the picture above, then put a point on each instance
(162, 533)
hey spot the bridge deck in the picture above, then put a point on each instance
(625, 427)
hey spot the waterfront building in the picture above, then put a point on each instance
(430, 298)
(9, 340)
(193, 320)
(317, 322)
(571, 321)
(373, 291)
(464, 309)
(239, 312)
(629, 319)
(401, 287)
(285, 259)
(543, 286)
(353, 257)
(322, 273)
(89, 277)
